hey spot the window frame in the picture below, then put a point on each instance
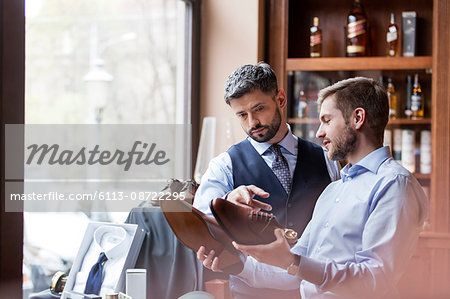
(12, 102)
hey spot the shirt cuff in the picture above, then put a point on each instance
(226, 195)
(259, 275)
(311, 270)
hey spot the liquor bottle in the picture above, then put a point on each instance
(357, 35)
(392, 38)
(303, 106)
(417, 102)
(392, 96)
(315, 39)
(408, 93)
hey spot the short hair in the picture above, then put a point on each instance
(361, 92)
(249, 77)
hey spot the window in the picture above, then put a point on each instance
(100, 62)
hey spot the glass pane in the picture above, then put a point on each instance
(93, 62)
(112, 61)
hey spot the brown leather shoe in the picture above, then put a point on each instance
(194, 229)
(246, 226)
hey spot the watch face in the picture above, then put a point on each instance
(290, 234)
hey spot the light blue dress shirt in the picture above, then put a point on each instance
(218, 178)
(361, 237)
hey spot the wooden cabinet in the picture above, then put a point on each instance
(287, 50)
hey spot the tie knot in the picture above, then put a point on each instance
(102, 258)
(276, 149)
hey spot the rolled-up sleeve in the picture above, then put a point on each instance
(216, 182)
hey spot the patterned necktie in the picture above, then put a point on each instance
(94, 281)
(281, 168)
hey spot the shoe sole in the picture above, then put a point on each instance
(193, 231)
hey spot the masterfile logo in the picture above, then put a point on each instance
(93, 167)
(100, 152)
(53, 155)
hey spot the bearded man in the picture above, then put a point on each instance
(272, 169)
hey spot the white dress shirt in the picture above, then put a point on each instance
(362, 234)
(115, 242)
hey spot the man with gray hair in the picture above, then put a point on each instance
(272, 169)
(365, 227)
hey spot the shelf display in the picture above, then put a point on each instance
(310, 82)
(289, 52)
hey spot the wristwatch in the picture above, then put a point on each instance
(293, 268)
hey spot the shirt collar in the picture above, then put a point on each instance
(115, 243)
(371, 163)
(289, 143)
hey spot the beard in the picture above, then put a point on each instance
(272, 129)
(343, 145)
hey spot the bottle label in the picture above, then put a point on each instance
(315, 40)
(391, 36)
(355, 49)
(356, 28)
(416, 103)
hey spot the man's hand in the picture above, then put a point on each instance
(243, 196)
(209, 260)
(276, 253)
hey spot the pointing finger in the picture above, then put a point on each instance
(258, 191)
(261, 205)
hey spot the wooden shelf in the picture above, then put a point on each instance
(406, 121)
(358, 63)
(421, 176)
(398, 121)
(297, 120)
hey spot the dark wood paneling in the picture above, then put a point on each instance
(277, 38)
(12, 68)
(440, 190)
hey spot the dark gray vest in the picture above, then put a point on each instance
(293, 210)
